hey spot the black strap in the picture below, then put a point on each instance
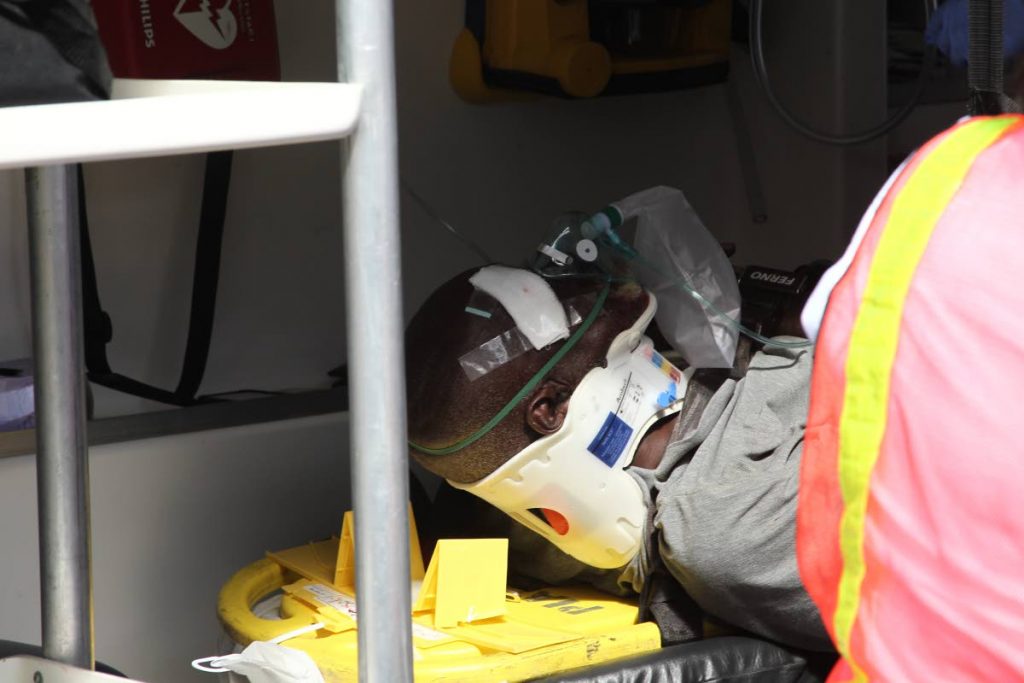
(665, 602)
(97, 323)
(206, 274)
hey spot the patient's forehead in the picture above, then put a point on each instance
(457, 318)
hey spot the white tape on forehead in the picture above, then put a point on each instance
(530, 301)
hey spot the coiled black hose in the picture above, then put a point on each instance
(985, 57)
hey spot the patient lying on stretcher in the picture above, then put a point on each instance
(618, 469)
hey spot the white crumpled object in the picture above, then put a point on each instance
(264, 662)
(530, 301)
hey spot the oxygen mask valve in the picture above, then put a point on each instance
(602, 226)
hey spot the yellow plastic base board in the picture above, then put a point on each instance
(466, 624)
(541, 632)
(334, 561)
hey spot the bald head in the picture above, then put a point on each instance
(446, 406)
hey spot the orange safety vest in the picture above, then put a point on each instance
(910, 528)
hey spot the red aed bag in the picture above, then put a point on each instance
(217, 39)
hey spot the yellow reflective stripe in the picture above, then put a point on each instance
(874, 338)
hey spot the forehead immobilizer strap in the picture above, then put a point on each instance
(527, 388)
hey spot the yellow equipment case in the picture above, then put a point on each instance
(467, 624)
(586, 48)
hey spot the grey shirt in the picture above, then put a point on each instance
(725, 494)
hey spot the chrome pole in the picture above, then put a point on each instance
(375, 349)
(62, 469)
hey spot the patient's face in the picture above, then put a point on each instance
(445, 405)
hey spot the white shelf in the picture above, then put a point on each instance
(161, 117)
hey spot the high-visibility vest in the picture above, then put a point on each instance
(910, 529)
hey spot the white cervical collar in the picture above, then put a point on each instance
(578, 472)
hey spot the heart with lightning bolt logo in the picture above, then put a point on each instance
(211, 21)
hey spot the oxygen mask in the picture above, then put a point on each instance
(673, 256)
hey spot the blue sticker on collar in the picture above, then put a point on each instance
(668, 397)
(611, 440)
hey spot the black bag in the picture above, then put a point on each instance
(50, 52)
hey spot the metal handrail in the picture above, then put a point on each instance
(373, 296)
(62, 467)
(373, 291)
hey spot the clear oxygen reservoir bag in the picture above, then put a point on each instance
(677, 259)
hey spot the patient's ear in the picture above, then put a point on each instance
(548, 406)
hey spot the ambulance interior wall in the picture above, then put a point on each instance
(499, 173)
(174, 516)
